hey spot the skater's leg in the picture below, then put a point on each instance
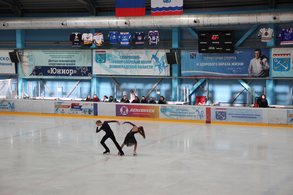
(103, 143)
(122, 146)
(116, 144)
(134, 151)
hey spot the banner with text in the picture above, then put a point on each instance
(6, 66)
(88, 108)
(130, 62)
(290, 117)
(237, 115)
(66, 64)
(282, 62)
(137, 111)
(182, 112)
(7, 105)
(243, 63)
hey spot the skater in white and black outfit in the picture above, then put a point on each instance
(130, 139)
(109, 134)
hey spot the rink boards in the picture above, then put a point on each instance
(209, 114)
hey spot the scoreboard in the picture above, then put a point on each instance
(216, 41)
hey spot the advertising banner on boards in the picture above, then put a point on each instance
(7, 105)
(6, 66)
(137, 111)
(282, 62)
(182, 112)
(237, 115)
(65, 64)
(68, 107)
(130, 62)
(241, 63)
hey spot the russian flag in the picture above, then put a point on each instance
(130, 8)
(166, 7)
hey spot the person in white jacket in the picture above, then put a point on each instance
(258, 66)
(132, 95)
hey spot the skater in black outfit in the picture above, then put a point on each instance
(109, 134)
(130, 139)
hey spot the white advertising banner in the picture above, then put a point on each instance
(6, 66)
(130, 62)
(282, 62)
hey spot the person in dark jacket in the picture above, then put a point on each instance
(162, 100)
(262, 101)
(152, 101)
(143, 100)
(124, 99)
(88, 98)
(136, 100)
(109, 134)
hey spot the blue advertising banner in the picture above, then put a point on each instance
(7, 105)
(237, 115)
(87, 108)
(290, 117)
(130, 62)
(182, 112)
(243, 63)
(66, 64)
(282, 62)
(6, 66)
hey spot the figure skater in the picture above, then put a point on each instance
(130, 139)
(109, 134)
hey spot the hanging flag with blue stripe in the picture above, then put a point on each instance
(130, 8)
(166, 7)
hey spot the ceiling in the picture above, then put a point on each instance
(20, 8)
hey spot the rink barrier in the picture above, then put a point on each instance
(151, 112)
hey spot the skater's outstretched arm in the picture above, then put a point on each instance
(112, 122)
(128, 123)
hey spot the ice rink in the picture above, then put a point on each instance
(59, 155)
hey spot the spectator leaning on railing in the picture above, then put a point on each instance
(152, 101)
(143, 100)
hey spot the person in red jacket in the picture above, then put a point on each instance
(95, 99)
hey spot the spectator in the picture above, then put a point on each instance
(262, 101)
(123, 99)
(143, 100)
(162, 100)
(132, 95)
(88, 98)
(112, 99)
(136, 100)
(105, 99)
(96, 99)
(152, 101)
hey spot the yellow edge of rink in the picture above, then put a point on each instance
(133, 118)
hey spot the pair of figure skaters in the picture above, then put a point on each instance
(128, 141)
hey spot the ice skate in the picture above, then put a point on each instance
(106, 152)
(134, 153)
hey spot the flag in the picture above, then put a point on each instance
(166, 7)
(128, 8)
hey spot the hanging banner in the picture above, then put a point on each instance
(130, 62)
(65, 64)
(6, 66)
(243, 63)
(282, 62)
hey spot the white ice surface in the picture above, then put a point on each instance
(58, 155)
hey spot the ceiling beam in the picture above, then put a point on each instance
(13, 5)
(90, 5)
